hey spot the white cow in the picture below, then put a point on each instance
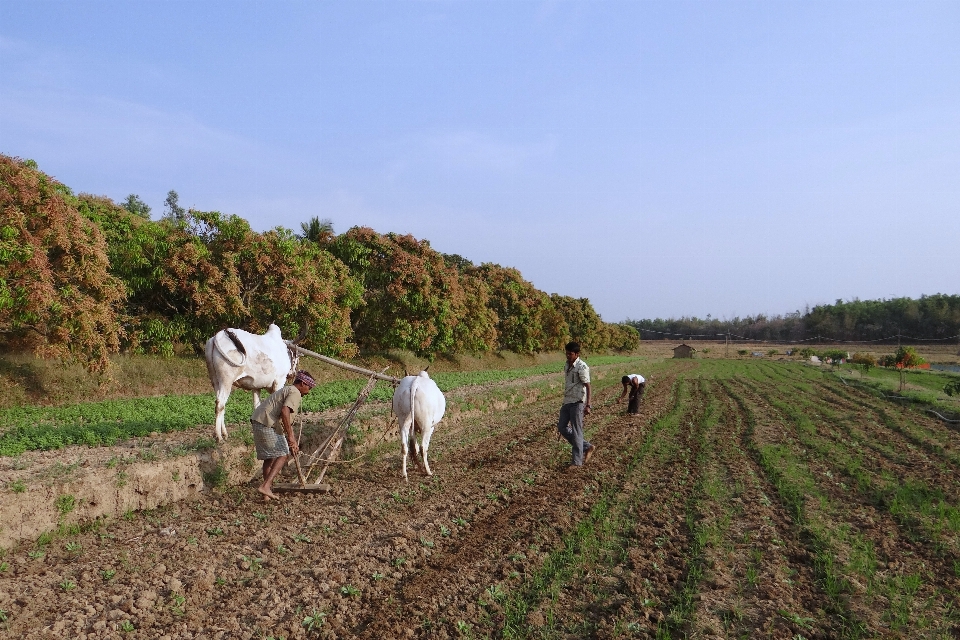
(237, 358)
(419, 406)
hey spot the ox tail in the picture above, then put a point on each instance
(413, 403)
(236, 341)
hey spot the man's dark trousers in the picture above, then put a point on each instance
(571, 428)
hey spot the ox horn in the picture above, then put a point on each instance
(303, 334)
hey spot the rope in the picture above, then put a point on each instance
(314, 460)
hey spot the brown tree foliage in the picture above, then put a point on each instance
(413, 299)
(189, 279)
(584, 325)
(527, 320)
(57, 296)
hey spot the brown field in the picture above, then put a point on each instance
(751, 498)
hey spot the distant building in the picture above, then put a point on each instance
(683, 351)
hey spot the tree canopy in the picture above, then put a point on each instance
(57, 296)
(85, 276)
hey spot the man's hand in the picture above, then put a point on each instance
(586, 410)
(294, 447)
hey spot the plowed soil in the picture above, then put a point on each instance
(746, 500)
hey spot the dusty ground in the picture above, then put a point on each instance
(678, 526)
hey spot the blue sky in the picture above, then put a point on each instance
(661, 158)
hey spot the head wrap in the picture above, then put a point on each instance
(305, 378)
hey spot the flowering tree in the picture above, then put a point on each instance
(906, 358)
(413, 299)
(57, 296)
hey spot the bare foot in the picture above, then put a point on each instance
(267, 494)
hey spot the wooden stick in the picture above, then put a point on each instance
(333, 455)
(344, 365)
(296, 460)
(371, 383)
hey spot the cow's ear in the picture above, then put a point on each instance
(426, 368)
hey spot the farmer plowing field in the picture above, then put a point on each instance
(272, 424)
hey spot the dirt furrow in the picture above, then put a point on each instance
(887, 580)
(760, 578)
(461, 585)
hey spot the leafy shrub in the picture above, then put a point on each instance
(952, 388)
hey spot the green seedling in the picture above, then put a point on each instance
(36, 554)
(126, 626)
(459, 522)
(426, 543)
(4, 566)
(495, 592)
(179, 601)
(796, 619)
(18, 486)
(262, 517)
(215, 531)
(302, 538)
(377, 575)
(74, 547)
(399, 561)
(282, 550)
(107, 574)
(314, 620)
(3, 615)
(444, 531)
(68, 585)
(256, 564)
(349, 590)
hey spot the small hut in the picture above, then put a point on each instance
(683, 351)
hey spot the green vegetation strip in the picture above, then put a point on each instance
(110, 421)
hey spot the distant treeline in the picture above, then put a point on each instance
(931, 317)
(83, 276)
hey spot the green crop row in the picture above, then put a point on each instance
(106, 423)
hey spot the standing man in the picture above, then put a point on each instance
(272, 423)
(576, 404)
(636, 384)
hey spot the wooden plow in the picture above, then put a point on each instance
(328, 452)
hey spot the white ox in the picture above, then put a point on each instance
(419, 406)
(237, 358)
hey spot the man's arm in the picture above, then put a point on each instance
(624, 392)
(285, 418)
(587, 408)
